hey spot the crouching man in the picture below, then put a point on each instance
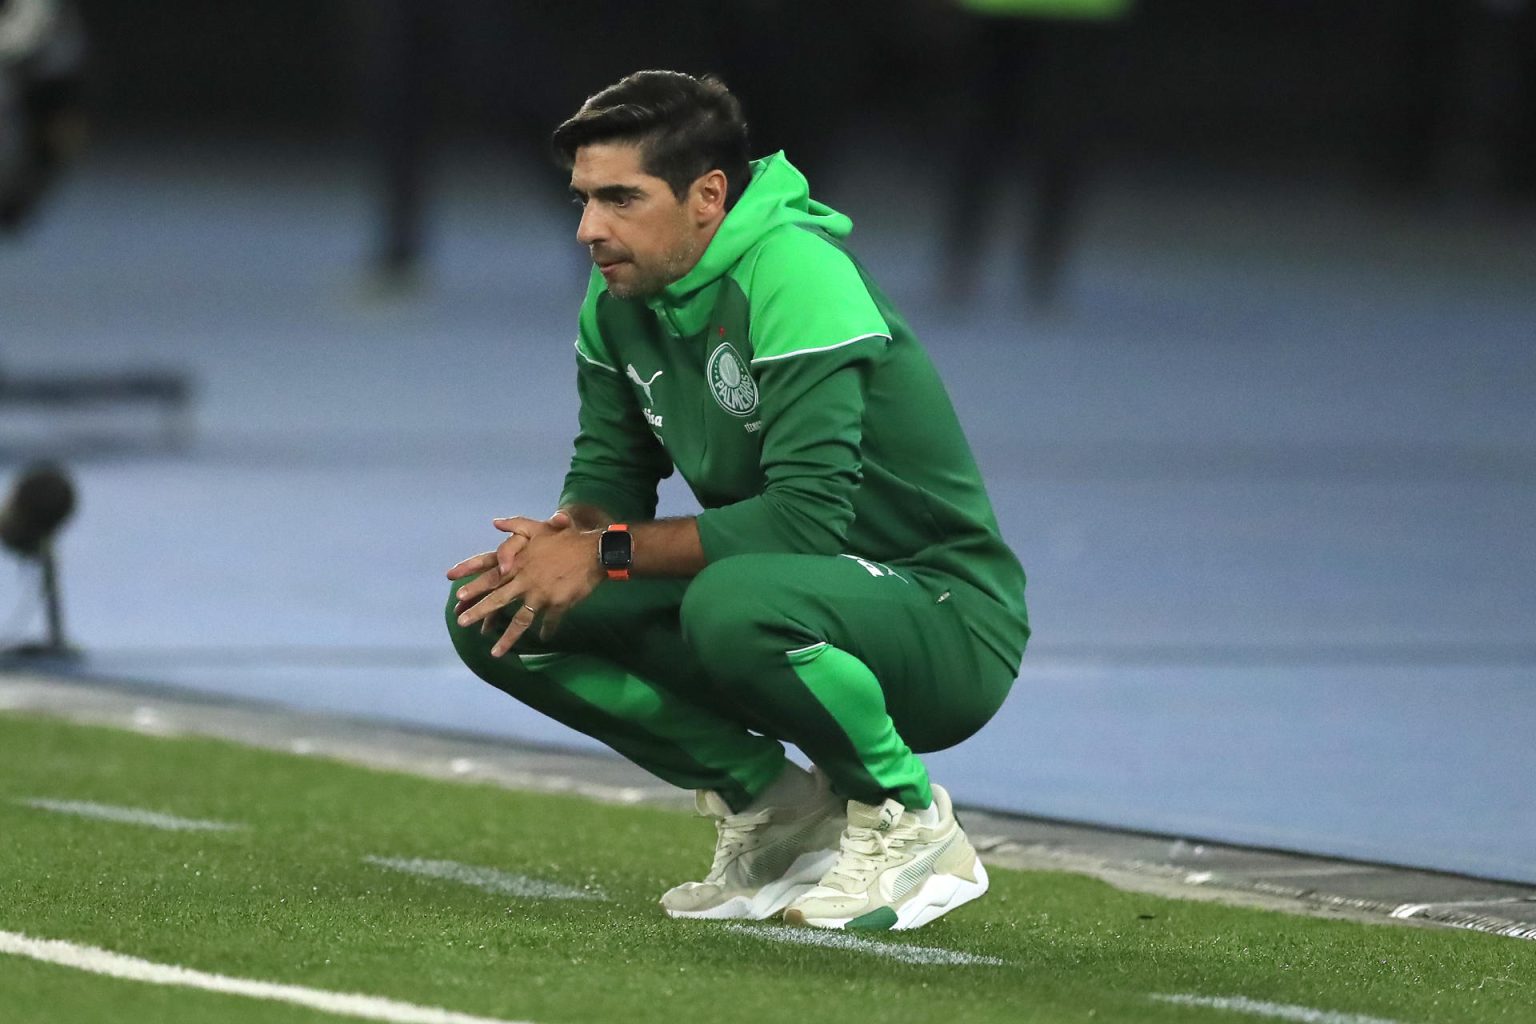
(845, 587)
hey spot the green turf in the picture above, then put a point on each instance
(290, 899)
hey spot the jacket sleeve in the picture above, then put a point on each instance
(816, 335)
(617, 462)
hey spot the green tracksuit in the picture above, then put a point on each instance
(858, 600)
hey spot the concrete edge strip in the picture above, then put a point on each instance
(1447, 914)
(128, 968)
(308, 734)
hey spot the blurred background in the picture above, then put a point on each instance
(1237, 302)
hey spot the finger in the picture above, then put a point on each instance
(491, 603)
(519, 524)
(478, 587)
(506, 553)
(560, 521)
(552, 617)
(470, 566)
(521, 620)
(465, 602)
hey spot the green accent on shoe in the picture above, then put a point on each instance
(849, 691)
(879, 920)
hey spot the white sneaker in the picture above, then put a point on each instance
(893, 872)
(763, 860)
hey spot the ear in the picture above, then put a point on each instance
(708, 197)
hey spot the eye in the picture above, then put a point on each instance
(620, 202)
(578, 202)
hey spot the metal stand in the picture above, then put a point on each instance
(54, 648)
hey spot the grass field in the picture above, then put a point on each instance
(535, 908)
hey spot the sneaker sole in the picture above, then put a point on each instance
(936, 897)
(771, 899)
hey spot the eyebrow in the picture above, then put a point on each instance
(609, 193)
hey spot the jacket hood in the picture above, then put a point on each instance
(778, 194)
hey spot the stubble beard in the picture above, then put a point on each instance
(673, 267)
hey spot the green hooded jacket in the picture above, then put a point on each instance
(799, 407)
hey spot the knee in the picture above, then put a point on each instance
(472, 645)
(728, 616)
(450, 611)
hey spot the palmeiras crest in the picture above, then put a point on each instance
(730, 381)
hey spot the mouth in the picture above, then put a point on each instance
(607, 268)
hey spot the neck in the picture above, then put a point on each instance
(705, 235)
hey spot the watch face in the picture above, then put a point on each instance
(614, 549)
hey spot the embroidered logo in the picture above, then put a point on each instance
(645, 385)
(731, 382)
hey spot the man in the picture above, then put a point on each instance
(845, 588)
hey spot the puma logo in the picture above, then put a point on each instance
(645, 385)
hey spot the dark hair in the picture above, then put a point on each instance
(685, 128)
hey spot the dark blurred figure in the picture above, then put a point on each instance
(1521, 159)
(1514, 24)
(403, 39)
(436, 72)
(1030, 72)
(800, 67)
(42, 126)
(1422, 43)
(42, 58)
(1466, 77)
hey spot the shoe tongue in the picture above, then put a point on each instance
(881, 817)
(711, 804)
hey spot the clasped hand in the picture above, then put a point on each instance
(546, 567)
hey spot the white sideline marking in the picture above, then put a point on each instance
(1240, 1004)
(488, 879)
(117, 965)
(858, 944)
(129, 815)
(1407, 910)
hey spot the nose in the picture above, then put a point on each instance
(592, 228)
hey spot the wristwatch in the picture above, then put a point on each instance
(616, 551)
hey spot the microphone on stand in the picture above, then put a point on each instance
(39, 504)
(41, 501)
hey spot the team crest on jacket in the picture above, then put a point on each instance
(730, 381)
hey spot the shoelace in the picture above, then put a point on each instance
(863, 852)
(735, 837)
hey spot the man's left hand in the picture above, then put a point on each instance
(554, 573)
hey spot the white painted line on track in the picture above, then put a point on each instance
(129, 815)
(117, 965)
(489, 879)
(1280, 1011)
(1407, 910)
(927, 955)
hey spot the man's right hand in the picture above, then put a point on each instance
(499, 566)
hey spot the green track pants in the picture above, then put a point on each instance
(698, 681)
